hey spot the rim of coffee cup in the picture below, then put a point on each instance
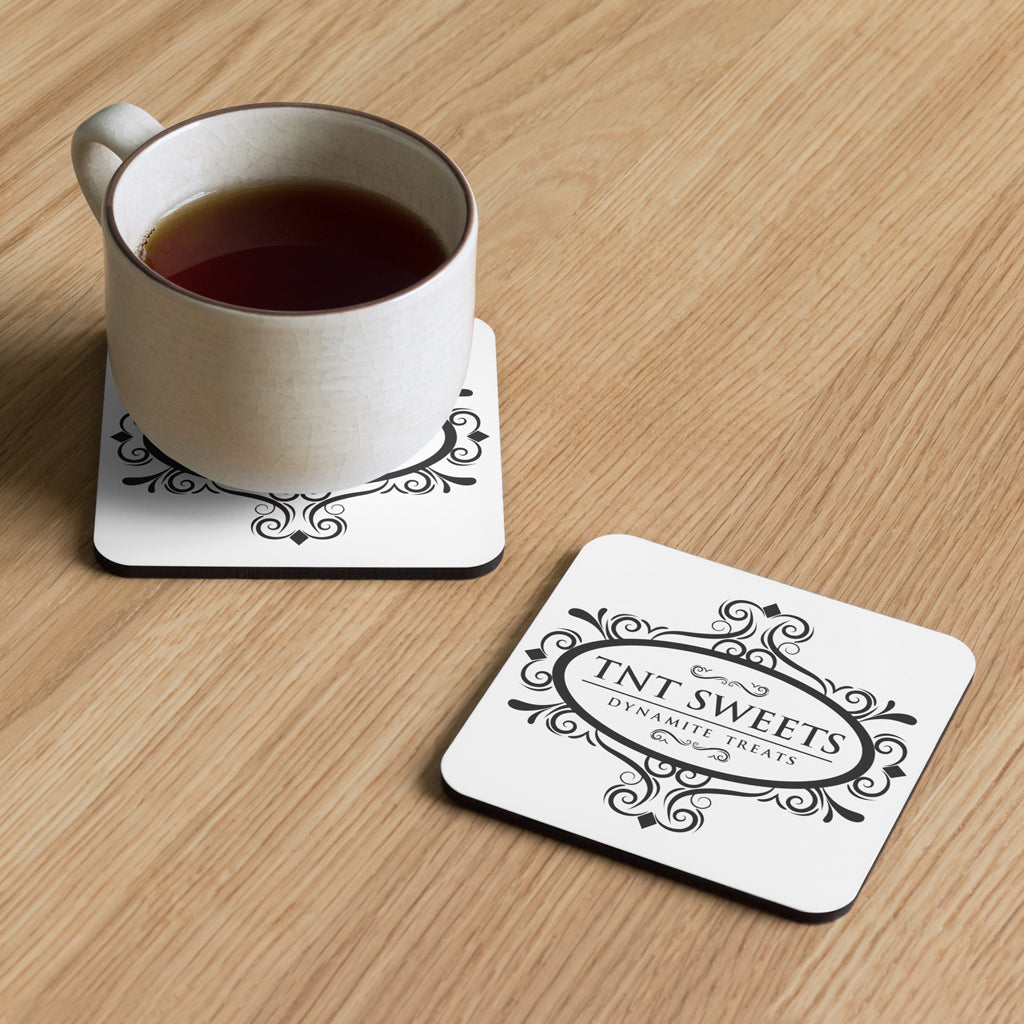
(122, 244)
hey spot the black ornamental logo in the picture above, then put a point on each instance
(731, 712)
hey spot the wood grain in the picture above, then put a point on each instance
(756, 272)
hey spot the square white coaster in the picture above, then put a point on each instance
(439, 516)
(741, 734)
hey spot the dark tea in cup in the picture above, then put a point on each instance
(293, 246)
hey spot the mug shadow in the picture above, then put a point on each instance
(50, 422)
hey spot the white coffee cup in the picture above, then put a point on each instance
(272, 401)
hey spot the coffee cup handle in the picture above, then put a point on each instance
(102, 142)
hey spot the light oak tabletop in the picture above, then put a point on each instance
(756, 275)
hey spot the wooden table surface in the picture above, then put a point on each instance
(756, 273)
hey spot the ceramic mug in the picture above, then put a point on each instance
(278, 401)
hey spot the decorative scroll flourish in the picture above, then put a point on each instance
(664, 735)
(754, 689)
(310, 517)
(676, 790)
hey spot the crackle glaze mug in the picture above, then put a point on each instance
(275, 401)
